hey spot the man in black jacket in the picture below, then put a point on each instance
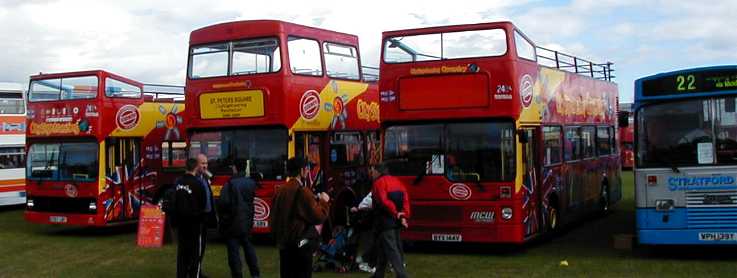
(189, 211)
(235, 208)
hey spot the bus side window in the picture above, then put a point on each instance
(173, 154)
(587, 140)
(572, 144)
(346, 149)
(603, 141)
(553, 145)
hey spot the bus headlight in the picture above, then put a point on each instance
(93, 206)
(506, 213)
(29, 203)
(663, 205)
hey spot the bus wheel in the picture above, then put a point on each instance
(604, 199)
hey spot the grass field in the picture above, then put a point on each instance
(29, 250)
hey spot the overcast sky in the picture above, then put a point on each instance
(147, 40)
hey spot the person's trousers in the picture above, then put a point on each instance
(234, 245)
(389, 248)
(189, 250)
(295, 262)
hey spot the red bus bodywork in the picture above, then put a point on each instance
(125, 137)
(299, 106)
(510, 89)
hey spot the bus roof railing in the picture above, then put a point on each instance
(370, 74)
(570, 63)
(159, 92)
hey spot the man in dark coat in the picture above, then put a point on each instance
(296, 211)
(235, 208)
(189, 209)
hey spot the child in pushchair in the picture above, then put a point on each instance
(339, 251)
(352, 233)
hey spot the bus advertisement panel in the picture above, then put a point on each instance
(263, 91)
(686, 162)
(12, 143)
(492, 145)
(98, 148)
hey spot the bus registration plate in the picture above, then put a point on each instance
(58, 219)
(447, 237)
(717, 236)
(260, 224)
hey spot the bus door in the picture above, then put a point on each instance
(531, 181)
(311, 146)
(125, 178)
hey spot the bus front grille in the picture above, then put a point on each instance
(437, 213)
(62, 205)
(711, 209)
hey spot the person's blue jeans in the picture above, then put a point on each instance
(234, 256)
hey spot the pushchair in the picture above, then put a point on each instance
(339, 253)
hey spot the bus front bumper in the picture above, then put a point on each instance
(63, 218)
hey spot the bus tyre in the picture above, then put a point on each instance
(604, 199)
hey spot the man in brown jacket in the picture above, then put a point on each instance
(295, 213)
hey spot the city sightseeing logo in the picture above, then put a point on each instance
(309, 105)
(127, 117)
(525, 89)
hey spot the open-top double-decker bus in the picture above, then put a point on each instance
(262, 91)
(496, 140)
(98, 147)
(12, 143)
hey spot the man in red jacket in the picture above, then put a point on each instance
(391, 207)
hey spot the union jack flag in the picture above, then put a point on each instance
(125, 191)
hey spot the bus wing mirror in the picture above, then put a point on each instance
(623, 119)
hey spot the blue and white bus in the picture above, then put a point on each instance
(686, 156)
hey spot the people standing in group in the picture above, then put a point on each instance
(295, 212)
(189, 213)
(392, 211)
(209, 212)
(235, 210)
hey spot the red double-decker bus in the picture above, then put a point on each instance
(263, 91)
(98, 147)
(496, 140)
